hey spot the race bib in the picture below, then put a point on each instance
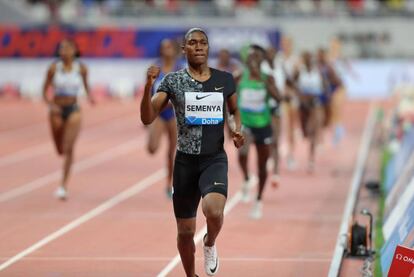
(253, 100)
(203, 108)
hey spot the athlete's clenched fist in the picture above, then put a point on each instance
(152, 74)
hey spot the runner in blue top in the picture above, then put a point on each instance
(334, 87)
(332, 81)
(165, 122)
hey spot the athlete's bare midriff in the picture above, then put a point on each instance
(64, 100)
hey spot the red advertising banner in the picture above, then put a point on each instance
(402, 263)
(42, 41)
(117, 42)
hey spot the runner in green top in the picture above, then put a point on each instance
(253, 92)
(253, 100)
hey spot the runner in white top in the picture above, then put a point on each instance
(311, 90)
(290, 64)
(273, 66)
(68, 77)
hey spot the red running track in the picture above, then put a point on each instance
(118, 222)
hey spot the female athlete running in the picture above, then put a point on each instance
(200, 95)
(68, 77)
(311, 93)
(333, 84)
(290, 64)
(339, 94)
(273, 66)
(165, 122)
(254, 90)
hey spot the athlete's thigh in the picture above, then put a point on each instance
(71, 130)
(338, 100)
(56, 126)
(292, 108)
(213, 177)
(327, 114)
(319, 117)
(276, 127)
(263, 153)
(305, 119)
(315, 120)
(186, 193)
(264, 140)
(339, 96)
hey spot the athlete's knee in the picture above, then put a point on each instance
(59, 150)
(67, 150)
(213, 213)
(185, 234)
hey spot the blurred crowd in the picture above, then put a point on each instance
(228, 7)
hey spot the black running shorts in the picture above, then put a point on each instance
(194, 177)
(260, 136)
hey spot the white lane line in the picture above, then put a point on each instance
(199, 236)
(110, 203)
(90, 133)
(363, 152)
(25, 154)
(165, 259)
(80, 166)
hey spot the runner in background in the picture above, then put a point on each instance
(290, 63)
(332, 85)
(339, 94)
(254, 90)
(311, 91)
(68, 78)
(274, 67)
(165, 122)
(226, 63)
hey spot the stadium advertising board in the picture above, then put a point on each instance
(115, 42)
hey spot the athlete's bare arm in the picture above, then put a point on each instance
(48, 82)
(294, 81)
(237, 74)
(84, 74)
(151, 107)
(49, 78)
(236, 134)
(334, 76)
(272, 89)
